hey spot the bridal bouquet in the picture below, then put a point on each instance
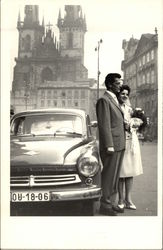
(138, 120)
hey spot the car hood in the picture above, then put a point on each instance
(42, 152)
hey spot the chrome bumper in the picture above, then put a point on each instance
(82, 194)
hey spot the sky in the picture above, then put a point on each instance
(111, 21)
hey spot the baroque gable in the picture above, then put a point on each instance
(146, 42)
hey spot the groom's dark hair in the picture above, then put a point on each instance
(110, 78)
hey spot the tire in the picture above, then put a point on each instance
(90, 207)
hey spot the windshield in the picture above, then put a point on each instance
(47, 124)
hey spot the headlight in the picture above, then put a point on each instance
(88, 166)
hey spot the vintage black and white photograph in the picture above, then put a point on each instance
(81, 132)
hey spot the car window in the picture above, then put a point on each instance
(47, 124)
(18, 126)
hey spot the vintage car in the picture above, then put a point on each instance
(54, 158)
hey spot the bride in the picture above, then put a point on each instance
(132, 164)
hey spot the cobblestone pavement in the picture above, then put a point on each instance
(145, 186)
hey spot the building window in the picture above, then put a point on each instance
(76, 94)
(49, 103)
(148, 59)
(69, 94)
(23, 93)
(26, 77)
(46, 75)
(143, 59)
(152, 76)
(83, 103)
(42, 103)
(42, 94)
(55, 103)
(83, 94)
(63, 103)
(69, 103)
(55, 94)
(70, 40)
(76, 104)
(63, 94)
(148, 77)
(143, 79)
(152, 54)
(49, 94)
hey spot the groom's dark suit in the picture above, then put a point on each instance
(111, 134)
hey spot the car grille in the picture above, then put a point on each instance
(46, 180)
(43, 170)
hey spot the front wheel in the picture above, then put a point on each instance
(90, 207)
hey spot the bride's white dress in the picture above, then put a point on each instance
(132, 163)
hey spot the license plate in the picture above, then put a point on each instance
(29, 196)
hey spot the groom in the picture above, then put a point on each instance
(111, 141)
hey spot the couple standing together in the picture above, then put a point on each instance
(118, 161)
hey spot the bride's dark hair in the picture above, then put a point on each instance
(126, 87)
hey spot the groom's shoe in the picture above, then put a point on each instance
(118, 209)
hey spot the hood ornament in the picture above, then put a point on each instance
(31, 153)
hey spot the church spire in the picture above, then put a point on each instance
(59, 23)
(19, 20)
(81, 14)
(85, 24)
(59, 14)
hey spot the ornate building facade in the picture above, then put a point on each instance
(50, 73)
(141, 74)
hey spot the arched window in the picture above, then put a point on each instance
(47, 75)
(70, 40)
(27, 43)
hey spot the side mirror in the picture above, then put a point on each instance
(93, 124)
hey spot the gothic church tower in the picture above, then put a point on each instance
(72, 30)
(30, 32)
(46, 70)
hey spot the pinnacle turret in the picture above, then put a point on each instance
(73, 18)
(19, 21)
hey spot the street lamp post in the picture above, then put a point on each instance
(98, 71)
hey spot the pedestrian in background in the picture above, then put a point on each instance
(111, 142)
(132, 164)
